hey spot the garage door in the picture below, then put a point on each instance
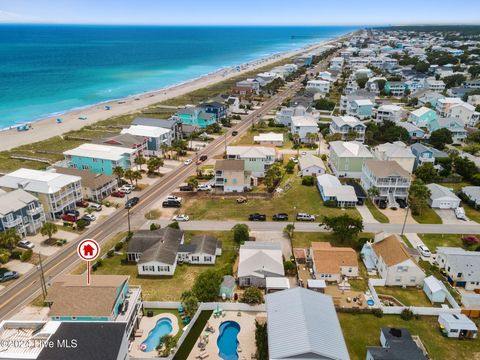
(445, 205)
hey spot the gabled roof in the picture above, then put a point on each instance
(260, 259)
(400, 346)
(473, 192)
(230, 165)
(304, 121)
(329, 259)
(45, 182)
(205, 244)
(350, 149)
(14, 200)
(303, 324)
(458, 321)
(122, 140)
(434, 284)
(159, 245)
(392, 250)
(422, 111)
(146, 131)
(98, 151)
(347, 120)
(271, 136)
(90, 179)
(396, 150)
(419, 148)
(386, 168)
(441, 192)
(252, 151)
(162, 123)
(309, 160)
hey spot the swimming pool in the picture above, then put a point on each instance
(227, 341)
(162, 327)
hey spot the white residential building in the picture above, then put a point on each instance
(398, 152)
(434, 85)
(442, 197)
(389, 112)
(303, 125)
(462, 266)
(156, 137)
(311, 165)
(321, 86)
(284, 116)
(337, 63)
(270, 138)
(258, 159)
(346, 125)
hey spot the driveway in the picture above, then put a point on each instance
(448, 217)
(398, 216)
(274, 236)
(367, 216)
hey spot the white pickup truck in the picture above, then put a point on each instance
(460, 213)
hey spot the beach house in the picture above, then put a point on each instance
(216, 108)
(257, 159)
(172, 124)
(396, 151)
(21, 211)
(157, 137)
(303, 126)
(442, 197)
(332, 264)
(346, 158)
(319, 86)
(425, 154)
(422, 116)
(56, 192)
(284, 116)
(395, 88)
(349, 127)
(331, 189)
(247, 87)
(462, 266)
(196, 116)
(270, 138)
(202, 250)
(414, 131)
(435, 85)
(231, 176)
(396, 344)
(311, 165)
(389, 113)
(456, 127)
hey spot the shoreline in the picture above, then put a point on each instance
(47, 127)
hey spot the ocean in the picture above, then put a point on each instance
(49, 69)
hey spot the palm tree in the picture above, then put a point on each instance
(118, 171)
(153, 164)
(136, 175)
(373, 192)
(165, 148)
(48, 229)
(9, 238)
(140, 160)
(129, 175)
(312, 138)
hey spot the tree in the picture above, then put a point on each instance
(189, 303)
(166, 344)
(426, 173)
(192, 181)
(118, 172)
(289, 230)
(362, 81)
(140, 160)
(240, 233)
(153, 164)
(454, 80)
(418, 196)
(261, 341)
(351, 136)
(136, 175)
(272, 177)
(308, 180)
(9, 238)
(289, 267)
(465, 167)
(344, 227)
(373, 192)
(474, 137)
(206, 285)
(422, 67)
(48, 229)
(439, 138)
(129, 175)
(290, 167)
(252, 296)
(174, 225)
(324, 104)
(312, 138)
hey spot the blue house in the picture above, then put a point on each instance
(455, 125)
(21, 211)
(413, 131)
(196, 116)
(156, 137)
(425, 154)
(216, 108)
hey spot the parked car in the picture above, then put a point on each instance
(171, 203)
(173, 197)
(257, 217)
(424, 251)
(9, 275)
(131, 202)
(25, 244)
(89, 217)
(118, 194)
(382, 204)
(294, 159)
(181, 217)
(204, 187)
(73, 212)
(280, 217)
(234, 133)
(69, 218)
(305, 217)
(460, 213)
(187, 162)
(203, 157)
(125, 189)
(186, 188)
(82, 204)
(402, 203)
(241, 200)
(96, 207)
(129, 186)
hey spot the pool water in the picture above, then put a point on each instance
(162, 327)
(227, 340)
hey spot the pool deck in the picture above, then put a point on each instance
(147, 324)
(246, 336)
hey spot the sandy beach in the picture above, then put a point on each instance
(48, 127)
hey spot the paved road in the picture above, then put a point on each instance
(25, 289)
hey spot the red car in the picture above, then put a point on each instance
(82, 204)
(69, 217)
(118, 194)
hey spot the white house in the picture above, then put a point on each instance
(442, 197)
(311, 165)
(434, 85)
(202, 250)
(434, 289)
(321, 86)
(458, 326)
(462, 266)
(346, 125)
(303, 125)
(398, 152)
(393, 261)
(331, 189)
(337, 63)
(258, 159)
(389, 112)
(156, 137)
(472, 193)
(284, 116)
(270, 138)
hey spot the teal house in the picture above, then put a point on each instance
(196, 117)
(422, 117)
(456, 127)
(395, 88)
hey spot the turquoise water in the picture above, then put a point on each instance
(162, 327)
(46, 69)
(227, 341)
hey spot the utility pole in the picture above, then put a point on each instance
(42, 277)
(128, 217)
(405, 220)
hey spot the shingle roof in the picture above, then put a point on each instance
(392, 250)
(89, 179)
(350, 149)
(205, 244)
(439, 191)
(330, 259)
(310, 160)
(162, 123)
(232, 165)
(386, 168)
(400, 346)
(159, 245)
(14, 200)
(260, 259)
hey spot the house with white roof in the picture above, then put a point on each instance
(337, 63)
(435, 85)
(389, 112)
(270, 138)
(445, 104)
(422, 116)
(397, 151)
(156, 137)
(259, 261)
(472, 193)
(320, 86)
(56, 192)
(258, 159)
(434, 289)
(346, 125)
(462, 266)
(100, 158)
(347, 157)
(302, 126)
(458, 326)
(442, 197)
(311, 165)
(331, 189)
(456, 127)
(284, 116)
(414, 131)
(465, 112)
(303, 324)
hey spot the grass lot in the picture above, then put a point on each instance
(430, 269)
(362, 330)
(471, 213)
(168, 288)
(304, 198)
(410, 296)
(377, 214)
(435, 240)
(247, 138)
(428, 216)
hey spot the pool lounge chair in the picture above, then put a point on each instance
(202, 356)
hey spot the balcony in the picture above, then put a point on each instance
(35, 211)
(132, 307)
(13, 223)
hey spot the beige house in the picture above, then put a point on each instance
(231, 176)
(332, 263)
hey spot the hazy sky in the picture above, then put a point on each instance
(211, 12)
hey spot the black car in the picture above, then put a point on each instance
(131, 202)
(171, 204)
(280, 217)
(257, 217)
(203, 157)
(382, 204)
(186, 188)
(9, 275)
(75, 213)
(402, 203)
(234, 133)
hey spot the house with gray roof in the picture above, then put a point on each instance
(462, 266)
(303, 324)
(171, 123)
(425, 154)
(472, 193)
(155, 252)
(442, 197)
(396, 344)
(202, 249)
(311, 165)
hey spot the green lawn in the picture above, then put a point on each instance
(377, 214)
(169, 288)
(428, 216)
(430, 269)
(247, 138)
(362, 330)
(410, 296)
(435, 240)
(304, 239)
(471, 213)
(304, 198)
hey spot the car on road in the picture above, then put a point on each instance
(96, 207)
(305, 217)
(181, 217)
(125, 189)
(304, 153)
(89, 217)
(280, 217)
(131, 202)
(173, 197)
(424, 251)
(204, 187)
(186, 188)
(9, 275)
(171, 204)
(187, 162)
(82, 204)
(241, 200)
(203, 157)
(69, 218)
(257, 217)
(73, 212)
(234, 133)
(118, 194)
(25, 244)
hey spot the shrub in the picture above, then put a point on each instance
(81, 224)
(308, 180)
(99, 262)
(110, 253)
(240, 233)
(4, 257)
(26, 255)
(149, 313)
(330, 203)
(174, 225)
(15, 254)
(406, 314)
(118, 246)
(94, 267)
(154, 226)
(323, 157)
(289, 267)
(252, 296)
(378, 313)
(469, 240)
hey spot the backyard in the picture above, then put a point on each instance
(362, 330)
(410, 296)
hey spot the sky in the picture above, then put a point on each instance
(241, 12)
